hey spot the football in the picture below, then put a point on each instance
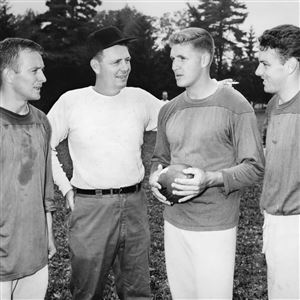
(167, 178)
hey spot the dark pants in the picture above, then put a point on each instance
(105, 231)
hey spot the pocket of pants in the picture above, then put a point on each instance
(71, 218)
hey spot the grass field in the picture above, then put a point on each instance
(250, 270)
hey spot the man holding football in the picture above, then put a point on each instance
(213, 128)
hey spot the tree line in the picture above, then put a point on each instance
(63, 28)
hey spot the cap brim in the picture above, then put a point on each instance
(121, 41)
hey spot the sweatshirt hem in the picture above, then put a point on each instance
(280, 213)
(202, 228)
(17, 276)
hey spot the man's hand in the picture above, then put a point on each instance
(189, 188)
(51, 241)
(51, 247)
(155, 186)
(70, 200)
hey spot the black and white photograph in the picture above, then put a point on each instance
(150, 150)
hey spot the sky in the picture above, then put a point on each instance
(262, 14)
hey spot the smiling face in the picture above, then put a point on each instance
(187, 64)
(27, 76)
(272, 70)
(112, 69)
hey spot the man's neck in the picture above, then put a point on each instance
(10, 103)
(106, 91)
(289, 91)
(202, 89)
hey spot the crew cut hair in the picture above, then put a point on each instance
(284, 39)
(198, 37)
(10, 49)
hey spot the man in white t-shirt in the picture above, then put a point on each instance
(105, 124)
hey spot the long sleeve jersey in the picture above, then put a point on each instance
(105, 135)
(281, 187)
(26, 192)
(218, 133)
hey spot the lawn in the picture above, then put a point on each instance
(250, 270)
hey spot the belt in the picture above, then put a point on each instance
(123, 190)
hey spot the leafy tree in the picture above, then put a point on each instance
(67, 22)
(222, 19)
(126, 19)
(27, 25)
(243, 69)
(168, 24)
(7, 21)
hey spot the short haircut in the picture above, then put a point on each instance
(285, 39)
(198, 37)
(10, 49)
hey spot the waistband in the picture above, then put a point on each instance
(274, 219)
(123, 190)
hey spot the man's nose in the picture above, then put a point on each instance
(174, 65)
(41, 76)
(125, 65)
(258, 71)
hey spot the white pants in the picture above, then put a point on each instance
(33, 287)
(282, 250)
(200, 264)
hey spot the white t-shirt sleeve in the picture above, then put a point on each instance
(153, 106)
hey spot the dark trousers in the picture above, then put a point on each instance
(105, 231)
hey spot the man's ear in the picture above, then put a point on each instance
(8, 75)
(292, 65)
(95, 65)
(205, 59)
